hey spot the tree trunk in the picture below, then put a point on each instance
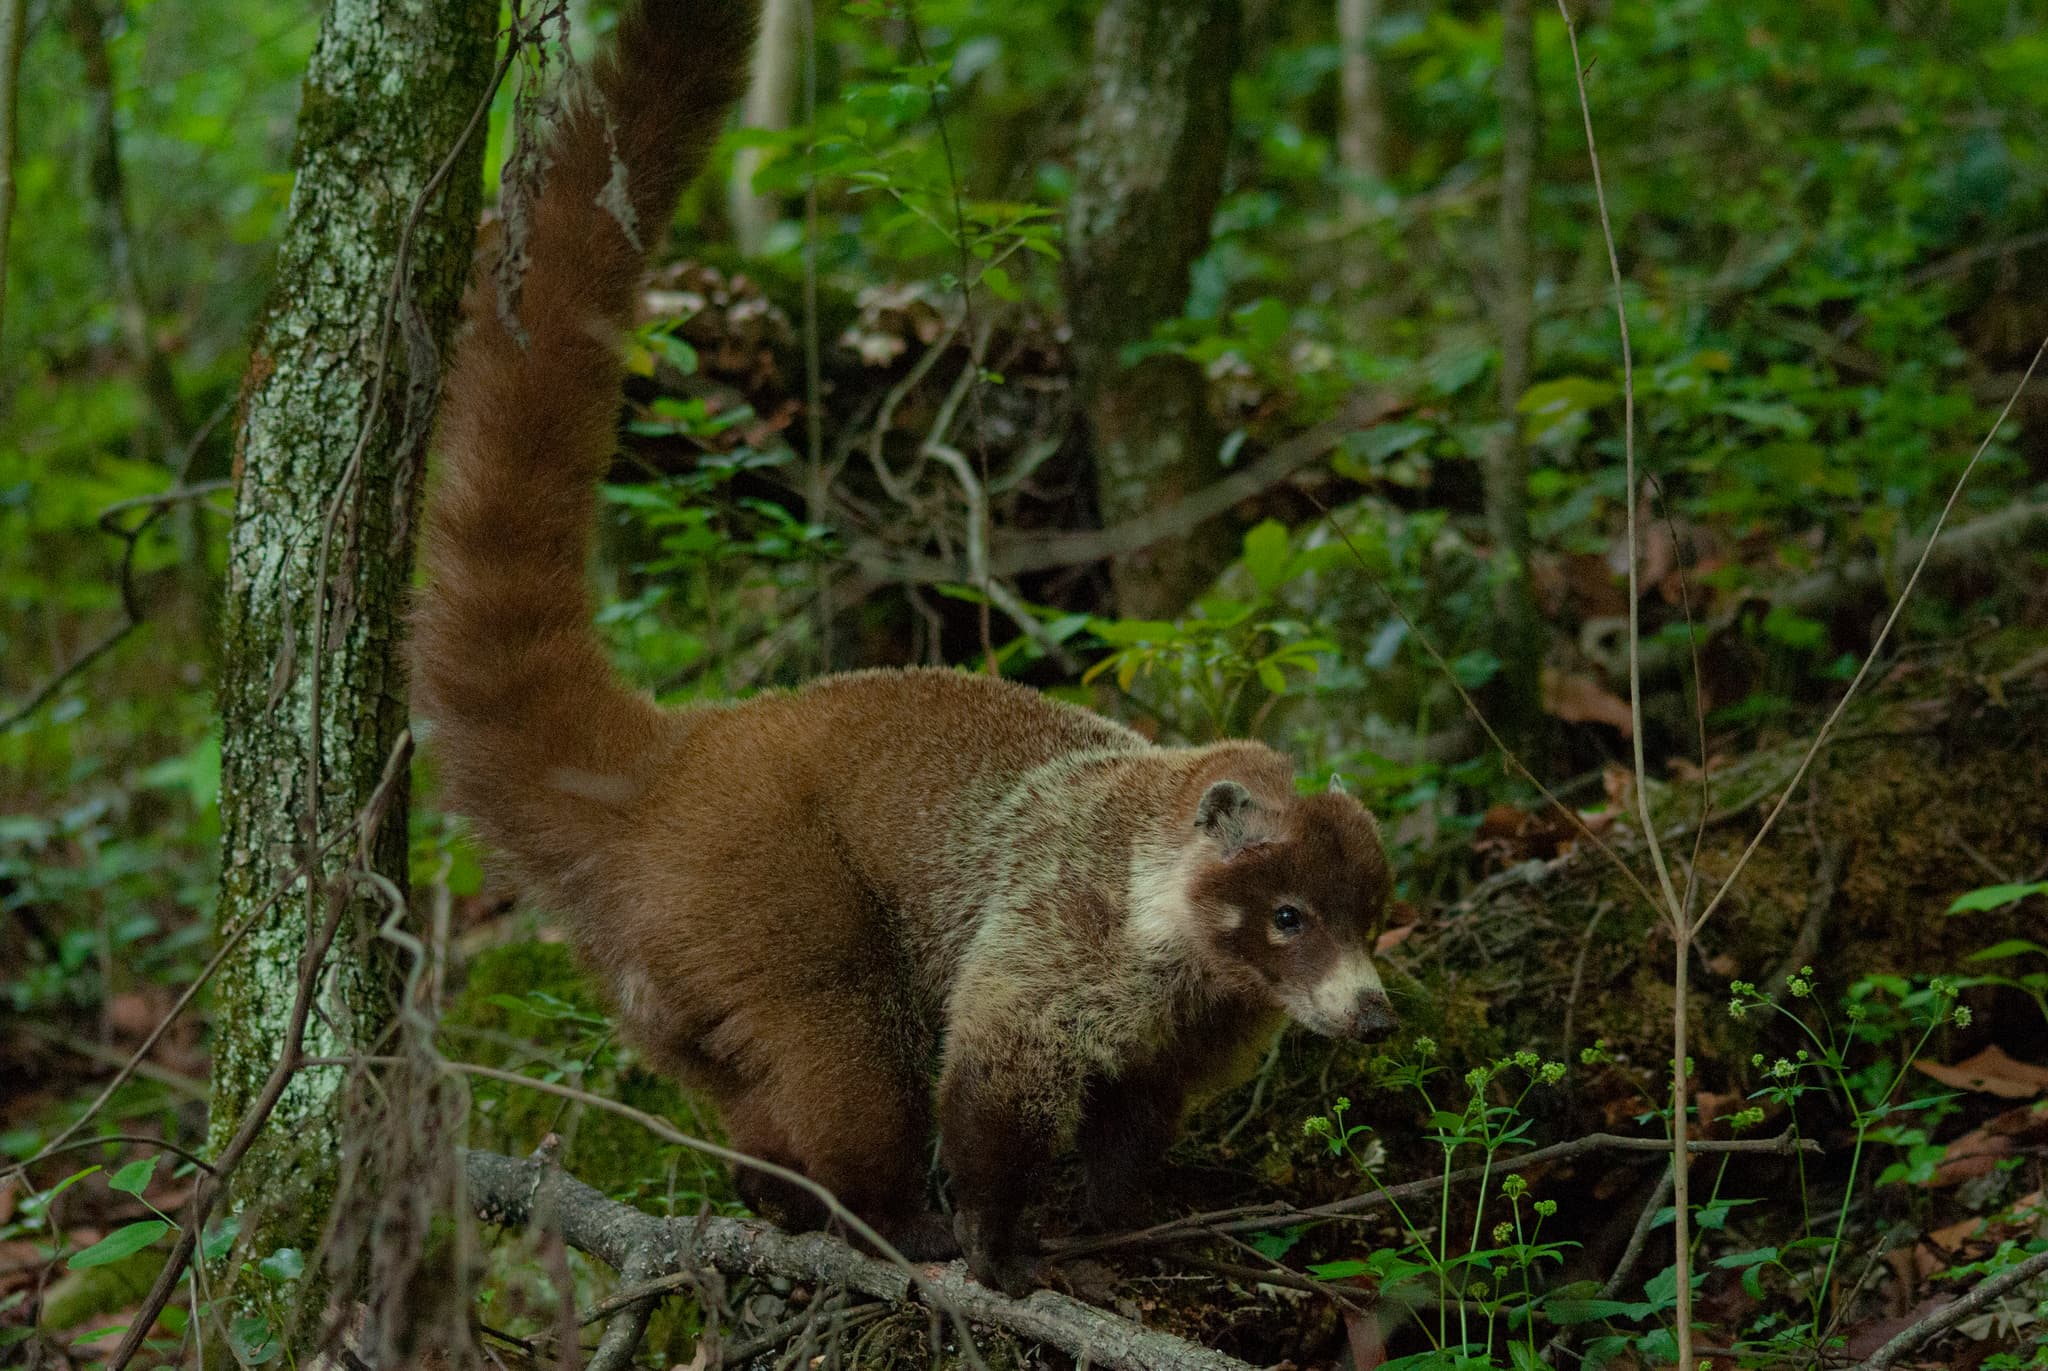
(1147, 175)
(107, 196)
(1514, 698)
(339, 395)
(13, 35)
(778, 56)
(1361, 126)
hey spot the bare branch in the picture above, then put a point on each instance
(505, 1191)
(1949, 1315)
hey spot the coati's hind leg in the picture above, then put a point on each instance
(839, 1107)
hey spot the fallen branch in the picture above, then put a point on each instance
(1984, 541)
(506, 1190)
(1949, 1315)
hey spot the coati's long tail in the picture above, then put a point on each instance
(537, 739)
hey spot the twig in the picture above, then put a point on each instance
(56, 1037)
(503, 1190)
(139, 1139)
(1638, 1239)
(1820, 739)
(1478, 716)
(289, 1060)
(137, 1061)
(1017, 554)
(1260, 1218)
(1675, 909)
(1259, 1083)
(132, 611)
(1949, 1315)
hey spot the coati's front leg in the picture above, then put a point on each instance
(1127, 1125)
(1005, 1101)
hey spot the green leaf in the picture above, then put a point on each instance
(134, 1178)
(1996, 896)
(253, 1339)
(1474, 669)
(2011, 947)
(1000, 285)
(73, 1179)
(120, 1244)
(1793, 629)
(285, 1264)
(1338, 1271)
(1267, 554)
(1274, 1246)
(1551, 405)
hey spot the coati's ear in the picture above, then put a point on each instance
(1230, 815)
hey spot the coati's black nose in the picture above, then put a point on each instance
(1373, 1017)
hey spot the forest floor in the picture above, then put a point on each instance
(1928, 1128)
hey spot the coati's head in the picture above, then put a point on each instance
(1291, 895)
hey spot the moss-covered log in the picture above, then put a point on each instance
(338, 401)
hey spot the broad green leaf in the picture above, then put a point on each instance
(119, 1244)
(285, 1264)
(1267, 554)
(1996, 896)
(134, 1178)
(1552, 404)
(2011, 947)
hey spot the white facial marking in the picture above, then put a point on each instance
(1337, 994)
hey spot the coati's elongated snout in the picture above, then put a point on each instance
(1295, 890)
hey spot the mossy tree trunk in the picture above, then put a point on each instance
(1147, 175)
(334, 402)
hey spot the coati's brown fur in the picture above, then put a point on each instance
(812, 904)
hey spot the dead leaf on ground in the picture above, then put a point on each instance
(1991, 1072)
(1979, 1151)
(1577, 699)
(1368, 1340)
(1393, 937)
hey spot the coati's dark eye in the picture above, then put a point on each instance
(1287, 919)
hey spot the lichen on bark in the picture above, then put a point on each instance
(388, 93)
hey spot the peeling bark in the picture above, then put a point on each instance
(390, 88)
(1147, 175)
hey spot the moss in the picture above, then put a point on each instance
(614, 1154)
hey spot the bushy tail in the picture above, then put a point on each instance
(535, 736)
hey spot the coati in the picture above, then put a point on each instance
(813, 904)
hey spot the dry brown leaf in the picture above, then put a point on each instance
(1393, 937)
(1991, 1072)
(1368, 1340)
(1577, 699)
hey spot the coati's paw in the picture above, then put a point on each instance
(998, 1260)
(926, 1237)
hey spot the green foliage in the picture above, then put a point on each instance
(1231, 655)
(1484, 1280)
(527, 1007)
